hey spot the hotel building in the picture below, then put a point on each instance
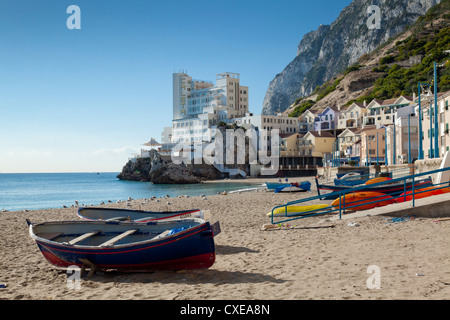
(199, 105)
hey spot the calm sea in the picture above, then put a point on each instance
(20, 191)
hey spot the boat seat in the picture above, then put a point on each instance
(83, 236)
(110, 242)
(161, 235)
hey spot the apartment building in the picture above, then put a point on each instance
(352, 116)
(373, 145)
(200, 105)
(443, 117)
(327, 119)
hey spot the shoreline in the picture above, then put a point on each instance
(310, 261)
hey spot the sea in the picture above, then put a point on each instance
(34, 191)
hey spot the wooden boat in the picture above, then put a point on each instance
(163, 244)
(393, 189)
(363, 200)
(294, 210)
(294, 187)
(422, 193)
(135, 215)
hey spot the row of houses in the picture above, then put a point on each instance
(380, 132)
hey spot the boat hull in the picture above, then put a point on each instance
(393, 189)
(192, 248)
(422, 193)
(135, 215)
(293, 210)
(363, 201)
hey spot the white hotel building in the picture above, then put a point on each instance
(199, 105)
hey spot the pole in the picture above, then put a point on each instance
(367, 152)
(385, 147)
(431, 131)
(377, 148)
(409, 138)
(395, 148)
(420, 156)
(436, 125)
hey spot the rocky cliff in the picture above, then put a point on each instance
(327, 51)
(158, 170)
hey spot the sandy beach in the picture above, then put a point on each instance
(311, 261)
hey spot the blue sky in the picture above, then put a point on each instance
(85, 100)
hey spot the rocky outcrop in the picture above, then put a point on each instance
(136, 170)
(327, 51)
(158, 170)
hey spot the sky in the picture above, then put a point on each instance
(85, 100)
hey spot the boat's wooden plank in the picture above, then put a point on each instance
(110, 242)
(161, 235)
(83, 236)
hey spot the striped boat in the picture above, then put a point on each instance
(164, 244)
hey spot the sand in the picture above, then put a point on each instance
(326, 263)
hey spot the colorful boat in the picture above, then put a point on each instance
(294, 187)
(422, 193)
(135, 215)
(297, 210)
(393, 189)
(377, 180)
(163, 244)
(363, 200)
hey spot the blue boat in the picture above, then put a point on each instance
(274, 185)
(294, 187)
(165, 244)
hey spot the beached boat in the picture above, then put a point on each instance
(377, 180)
(294, 187)
(135, 215)
(393, 189)
(296, 210)
(422, 193)
(363, 200)
(274, 185)
(163, 244)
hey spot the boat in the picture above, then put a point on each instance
(363, 200)
(163, 244)
(294, 187)
(377, 180)
(297, 210)
(93, 213)
(274, 185)
(422, 193)
(393, 189)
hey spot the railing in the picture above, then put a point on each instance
(411, 180)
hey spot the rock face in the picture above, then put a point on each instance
(330, 49)
(157, 170)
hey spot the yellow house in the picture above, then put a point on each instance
(289, 144)
(372, 145)
(316, 143)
